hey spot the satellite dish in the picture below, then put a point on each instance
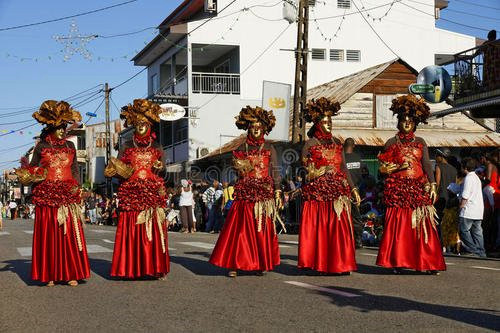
(171, 112)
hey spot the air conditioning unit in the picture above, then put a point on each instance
(210, 6)
(202, 152)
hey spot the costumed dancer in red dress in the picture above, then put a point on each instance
(410, 238)
(248, 240)
(326, 238)
(59, 250)
(141, 245)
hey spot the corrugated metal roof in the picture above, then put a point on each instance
(342, 89)
(433, 138)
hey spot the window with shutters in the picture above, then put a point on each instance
(353, 55)
(345, 4)
(318, 54)
(336, 55)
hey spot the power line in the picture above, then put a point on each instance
(457, 23)
(220, 11)
(16, 147)
(16, 122)
(19, 129)
(359, 11)
(253, 62)
(125, 33)
(374, 31)
(457, 11)
(66, 17)
(476, 4)
(34, 108)
(130, 78)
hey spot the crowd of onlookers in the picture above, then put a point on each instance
(467, 204)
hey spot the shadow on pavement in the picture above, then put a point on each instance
(369, 302)
(101, 267)
(197, 266)
(22, 267)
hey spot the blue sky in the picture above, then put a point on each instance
(26, 83)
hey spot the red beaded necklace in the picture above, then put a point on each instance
(53, 141)
(253, 141)
(320, 134)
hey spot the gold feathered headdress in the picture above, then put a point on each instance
(412, 106)
(250, 115)
(318, 109)
(142, 110)
(56, 113)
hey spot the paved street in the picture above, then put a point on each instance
(197, 296)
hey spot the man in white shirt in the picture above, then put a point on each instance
(13, 209)
(471, 211)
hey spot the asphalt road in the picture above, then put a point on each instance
(198, 297)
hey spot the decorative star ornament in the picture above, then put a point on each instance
(75, 43)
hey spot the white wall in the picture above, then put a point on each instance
(411, 34)
(215, 119)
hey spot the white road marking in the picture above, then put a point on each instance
(3, 233)
(103, 231)
(488, 268)
(201, 245)
(24, 251)
(93, 248)
(284, 246)
(369, 254)
(290, 242)
(28, 232)
(450, 263)
(323, 289)
(111, 242)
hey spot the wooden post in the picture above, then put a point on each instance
(300, 89)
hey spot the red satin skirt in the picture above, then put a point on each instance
(401, 246)
(56, 256)
(241, 247)
(326, 241)
(134, 254)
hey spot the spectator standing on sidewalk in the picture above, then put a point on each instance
(210, 200)
(445, 174)
(353, 164)
(228, 198)
(91, 208)
(471, 211)
(186, 204)
(13, 209)
(1, 218)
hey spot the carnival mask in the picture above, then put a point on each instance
(325, 124)
(256, 130)
(406, 125)
(142, 128)
(60, 133)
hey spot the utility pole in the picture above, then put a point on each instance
(300, 89)
(107, 91)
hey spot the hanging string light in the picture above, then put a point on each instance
(75, 43)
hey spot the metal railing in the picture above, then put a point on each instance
(475, 70)
(216, 83)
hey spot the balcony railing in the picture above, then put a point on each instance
(216, 83)
(476, 71)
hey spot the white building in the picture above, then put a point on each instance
(218, 57)
(95, 138)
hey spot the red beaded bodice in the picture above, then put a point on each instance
(144, 189)
(254, 183)
(141, 160)
(257, 159)
(326, 155)
(58, 162)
